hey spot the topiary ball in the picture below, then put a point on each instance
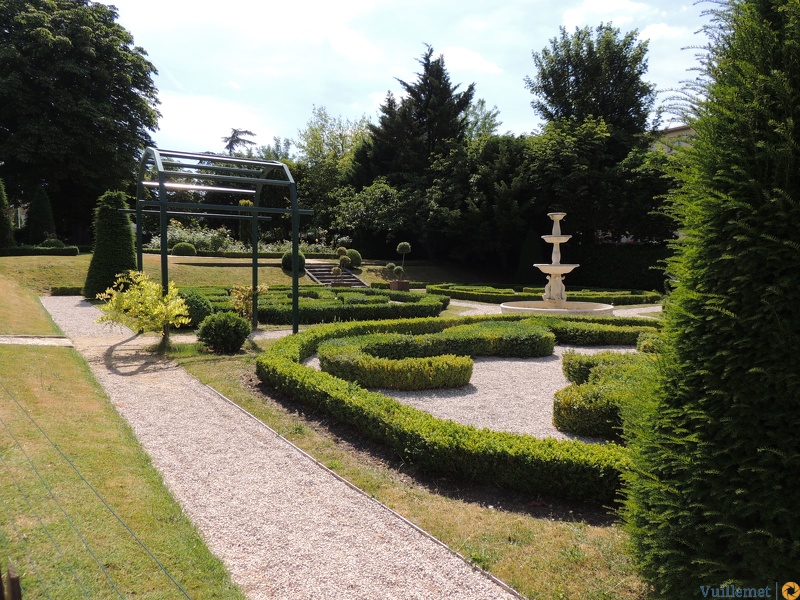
(184, 249)
(286, 261)
(198, 305)
(224, 332)
(355, 258)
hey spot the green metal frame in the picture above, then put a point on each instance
(162, 171)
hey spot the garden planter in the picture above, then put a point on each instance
(400, 285)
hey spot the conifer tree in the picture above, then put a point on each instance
(114, 251)
(6, 231)
(714, 498)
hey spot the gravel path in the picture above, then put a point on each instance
(285, 526)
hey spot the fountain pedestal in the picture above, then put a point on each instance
(554, 300)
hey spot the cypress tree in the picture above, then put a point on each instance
(6, 231)
(714, 496)
(114, 251)
(40, 218)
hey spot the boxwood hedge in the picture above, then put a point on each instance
(497, 295)
(547, 467)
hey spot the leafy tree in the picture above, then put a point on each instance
(77, 102)
(114, 251)
(6, 230)
(482, 122)
(713, 497)
(594, 74)
(326, 148)
(236, 140)
(40, 218)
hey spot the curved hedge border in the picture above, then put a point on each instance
(430, 361)
(499, 295)
(602, 384)
(563, 469)
(349, 359)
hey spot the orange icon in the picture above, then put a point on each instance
(790, 590)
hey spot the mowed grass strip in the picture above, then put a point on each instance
(542, 557)
(20, 311)
(55, 388)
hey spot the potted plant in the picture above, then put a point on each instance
(399, 283)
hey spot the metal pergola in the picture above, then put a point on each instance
(162, 172)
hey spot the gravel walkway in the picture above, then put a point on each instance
(285, 526)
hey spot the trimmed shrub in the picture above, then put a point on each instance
(114, 251)
(286, 261)
(198, 305)
(561, 469)
(224, 332)
(355, 258)
(39, 251)
(52, 243)
(184, 249)
(350, 359)
(594, 407)
(577, 367)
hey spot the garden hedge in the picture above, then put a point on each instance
(497, 295)
(561, 469)
(603, 384)
(429, 361)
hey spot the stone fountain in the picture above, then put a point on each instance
(554, 300)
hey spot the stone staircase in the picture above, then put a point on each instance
(321, 273)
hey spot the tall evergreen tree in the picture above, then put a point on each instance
(6, 231)
(714, 497)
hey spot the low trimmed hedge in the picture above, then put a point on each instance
(39, 251)
(562, 469)
(430, 361)
(604, 383)
(350, 359)
(494, 295)
(321, 304)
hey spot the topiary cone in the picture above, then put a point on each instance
(114, 250)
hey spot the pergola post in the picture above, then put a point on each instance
(186, 171)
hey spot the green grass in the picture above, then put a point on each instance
(49, 401)
(544, 551)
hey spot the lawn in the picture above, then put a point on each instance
(543, 549)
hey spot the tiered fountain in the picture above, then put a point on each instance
(554, 300)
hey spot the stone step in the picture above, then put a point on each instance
(321, 273)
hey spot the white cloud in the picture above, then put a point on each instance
(465, 60)
(662, 31)
(198, 123)
(618, 12)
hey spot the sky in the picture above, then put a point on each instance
(264, 66)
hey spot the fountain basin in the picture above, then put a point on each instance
(550, 307)
(552, 269)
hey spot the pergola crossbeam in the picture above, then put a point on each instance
(155, 176)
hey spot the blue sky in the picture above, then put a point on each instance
(263, 66)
